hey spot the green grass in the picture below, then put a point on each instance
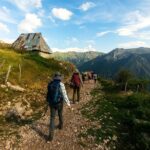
(119, 115)
(102, 113)
(35, 70)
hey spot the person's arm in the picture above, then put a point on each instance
(64, 93)
(80, 79)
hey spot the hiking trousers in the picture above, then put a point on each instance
(76, 92)
(53, 110)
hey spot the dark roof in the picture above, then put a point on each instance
(31, 42)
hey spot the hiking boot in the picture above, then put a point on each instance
(73, 102)
(60, 127)
(50, 137)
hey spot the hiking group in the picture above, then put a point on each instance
(88, 76)
(57, 95)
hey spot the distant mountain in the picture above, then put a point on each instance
(136, 60)
(77, 58)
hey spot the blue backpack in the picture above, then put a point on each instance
(54, 95)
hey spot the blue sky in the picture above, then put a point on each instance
(78, 25)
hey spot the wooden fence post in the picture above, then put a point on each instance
(19, 72)
(8, 72)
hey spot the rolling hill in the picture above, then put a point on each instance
(35, 70)
(77, 58)
(136, 60)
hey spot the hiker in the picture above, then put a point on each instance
(56, 95)
(95, 77)
(89, 76)
(92, 75)
(83, 77)
(77, 83)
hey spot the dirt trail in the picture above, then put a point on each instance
(33, 137)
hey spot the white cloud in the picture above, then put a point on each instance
(41, 13)
(75, 39)
(71, 41)
(30, 23)
(7, 40)
(82, 27)
(92, 42)
(133, 44)
(5, 15)
(100, 34)
(75, 49)
(25, 5)
(62, 13)
(143, 35)
(51, 19)
(134, 23)
(93, 17)
(89, 48)
(86, 6)
(4, 28)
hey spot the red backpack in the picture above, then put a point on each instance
(76, 79)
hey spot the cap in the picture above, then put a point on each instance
(57, 76)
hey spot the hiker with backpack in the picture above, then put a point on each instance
(89, 76)
(56, 95)
(95, 77)
(77, 83)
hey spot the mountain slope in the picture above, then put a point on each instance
(77, 58)
(32, 73)
(136, 60)
(35, 70)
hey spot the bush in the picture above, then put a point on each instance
(121, 114)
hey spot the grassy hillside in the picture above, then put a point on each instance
(35, 70)
(120, 119)
(77, 58)
(19, 108)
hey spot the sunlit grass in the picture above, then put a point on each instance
(121, 121)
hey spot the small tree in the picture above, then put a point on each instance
(123, 77)
(139, 84)
(144, 84)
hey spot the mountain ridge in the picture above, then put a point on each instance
(77, 58)
(136, 60)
